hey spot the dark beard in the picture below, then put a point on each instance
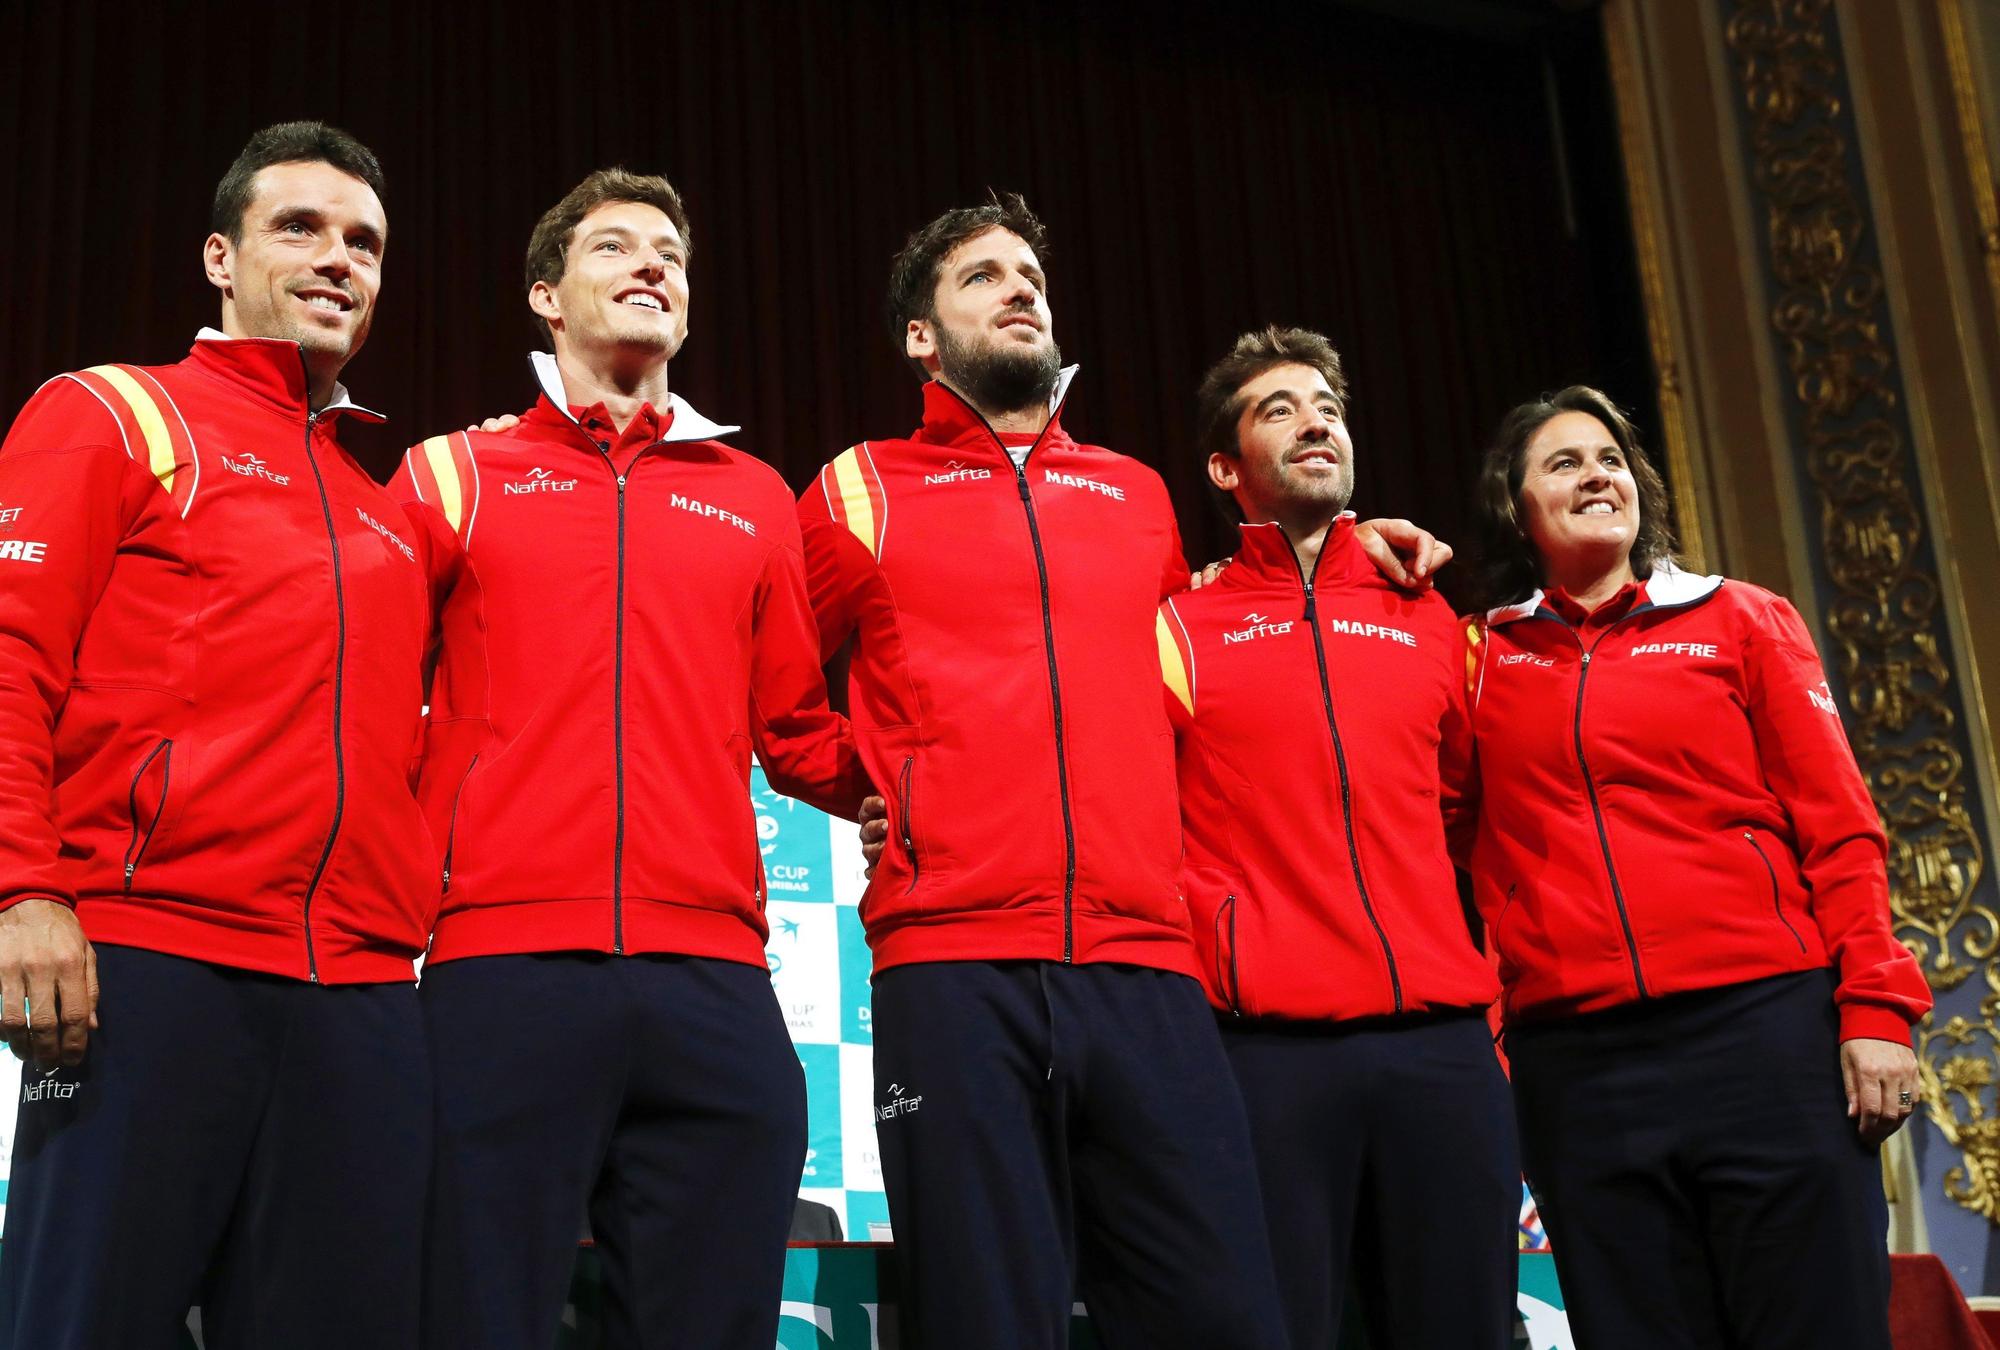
(1009, 379)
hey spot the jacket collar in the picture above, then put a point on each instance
(1668, 587)
(950, 420)
(272, 368)
(1266, 557)
(687, 424)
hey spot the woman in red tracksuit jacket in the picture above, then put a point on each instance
(1683, 877)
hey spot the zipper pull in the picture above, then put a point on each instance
(1586, 659)
(1312, 605)
(131, 867)
(621, 482)
(1021, 481)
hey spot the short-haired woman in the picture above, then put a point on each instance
(1708, 1016)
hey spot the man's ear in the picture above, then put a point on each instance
(542, 300)
(1225, 471)
(218, 259)
(920, 343)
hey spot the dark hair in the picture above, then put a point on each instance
(1219, 402)
(548, 246)
(913, 275)
(1509, 570)
(288, 143)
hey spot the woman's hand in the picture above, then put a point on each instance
(1881, 1079)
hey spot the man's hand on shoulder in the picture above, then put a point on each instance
(48, 984)
(1402, 552)
(504, 422)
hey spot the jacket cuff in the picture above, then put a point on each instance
(1867, 1022)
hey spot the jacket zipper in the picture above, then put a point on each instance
(1772, 873)
(339, 681)
(909, 836)
(451, 828)
(1340, 764)
(618, 726)
(135, 849)
(1049, 645)
(1235, 985)
(1597, 807)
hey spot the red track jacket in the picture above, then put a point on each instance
(212, 627)
(1670, 803)
(1322, 736)
(1005, 690)
(647, 626)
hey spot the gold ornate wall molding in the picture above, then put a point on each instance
(1888, 641)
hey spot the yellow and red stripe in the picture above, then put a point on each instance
(1176, 656)
(854, 494)
(156, 435)
(447, 478)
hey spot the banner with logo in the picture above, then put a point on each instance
(819, 967)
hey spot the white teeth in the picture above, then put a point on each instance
(1596, 509)
(324, 302)
(644, 301)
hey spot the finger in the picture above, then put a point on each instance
(90, 987)
(1847, 1081)
(874, 831)
(72, 1011)
(1873, 1105)
(19, 1045)
(13, 1007)
(1421, 554)
(44, 1032)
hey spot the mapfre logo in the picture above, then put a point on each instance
(387, 534)
(247, 465)
(897, 1103)
(1526, 659)
(19, 550)
(955, 472)
(1257, 626)
(539, 480)
(1111, 490)
(1674, 649)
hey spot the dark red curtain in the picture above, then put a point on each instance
(1442, 198)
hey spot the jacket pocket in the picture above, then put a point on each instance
(451, 825)
(145, 822)
(1228, 978)
(1777, 906)
(908, 828)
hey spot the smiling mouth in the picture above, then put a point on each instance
(331, 304)
(1596, 509)
(643, 300)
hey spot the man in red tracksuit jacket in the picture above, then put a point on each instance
(600, 1012)
(1054, 1106)
(212, 626)
(1322, 734)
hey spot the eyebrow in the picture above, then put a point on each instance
(662, 243)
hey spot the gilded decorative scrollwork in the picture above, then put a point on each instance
(1883, 613)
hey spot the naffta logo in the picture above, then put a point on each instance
(1516, 658)
(46, 1090)
(247, 465)
(540, 480)
(899, 1103)
(1822, 698)
(1111, 490)
(1257, 626)
(955, 472)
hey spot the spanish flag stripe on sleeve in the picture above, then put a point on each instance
(444, 472)
(856, 498)
(1173, 666)
(152, 426)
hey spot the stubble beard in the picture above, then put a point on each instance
(999, 378)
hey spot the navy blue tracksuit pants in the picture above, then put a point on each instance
(256, 1145)
(1052, 1129)
(658, 1094)
(1386, 1149)
(1700, 1180)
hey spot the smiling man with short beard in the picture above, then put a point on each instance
(211, 672)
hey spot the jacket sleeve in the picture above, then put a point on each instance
(70, 496)
(836, 568)
(806, 748)
(1174, 579)
(1809, 765)
(1458, 750)
(1176, 668)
